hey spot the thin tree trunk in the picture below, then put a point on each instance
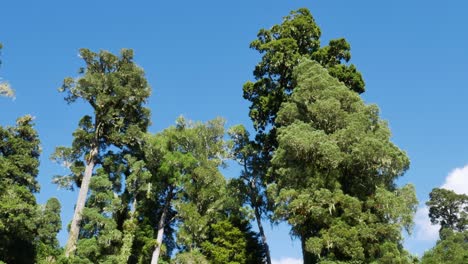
(253, 198)
(161, 224)
(80, 204)
(262, 234)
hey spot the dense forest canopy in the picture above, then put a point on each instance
(319, 160)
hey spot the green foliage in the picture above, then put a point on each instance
(453, 249)
(116, 89)
(186, 191)
(192, 257)
(19, 161)
(109, 140)
(335, 169)
(100, 239)
(249, 188)
(227, 245)
(321, 160)
(250, 184)
(232, 241)
(27, 231)
(49, 224)
(19, 154)
(184, 162)
(448, 209)
(282, 47)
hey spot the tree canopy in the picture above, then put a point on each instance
(116, 89)
(319, 159)
(334, 173)
(282, 47)
(27, 230)
(448, 209)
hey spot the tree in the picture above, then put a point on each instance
(19, 162)
(450, 211)
(249, 185)
(282, 47)
(137, 192)
(230, 240)
(100, 238)
(49, 224)
(5, 89)
(227, 244)
(183, 161)
(116, 89)
(27, 230)
(335, 169)
(452, 248)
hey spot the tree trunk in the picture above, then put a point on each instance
(253, 198)
(80, 204)
(262, 234)
(161, 224)
(308, 257)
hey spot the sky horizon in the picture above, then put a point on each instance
(413, 57)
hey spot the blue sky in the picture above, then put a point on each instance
(413, 56)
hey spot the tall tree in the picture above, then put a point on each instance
(100, 238)
(19, 162)
(281, 47)
(450, 211)
(184, 161)
(116, 89)
(335, 168)
(249, 184)
(27, 230)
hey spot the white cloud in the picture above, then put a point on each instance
(286, 261)
(457, 180)
(424, 230)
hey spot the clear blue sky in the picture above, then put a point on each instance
(413, 56)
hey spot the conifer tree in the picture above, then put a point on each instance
(336, 169)
(19, 162)
(116, 89)
(27, 230)
(183, 161)
(249, 185)
(281, 47)
(48, 224)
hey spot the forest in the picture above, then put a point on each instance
(319, 159)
